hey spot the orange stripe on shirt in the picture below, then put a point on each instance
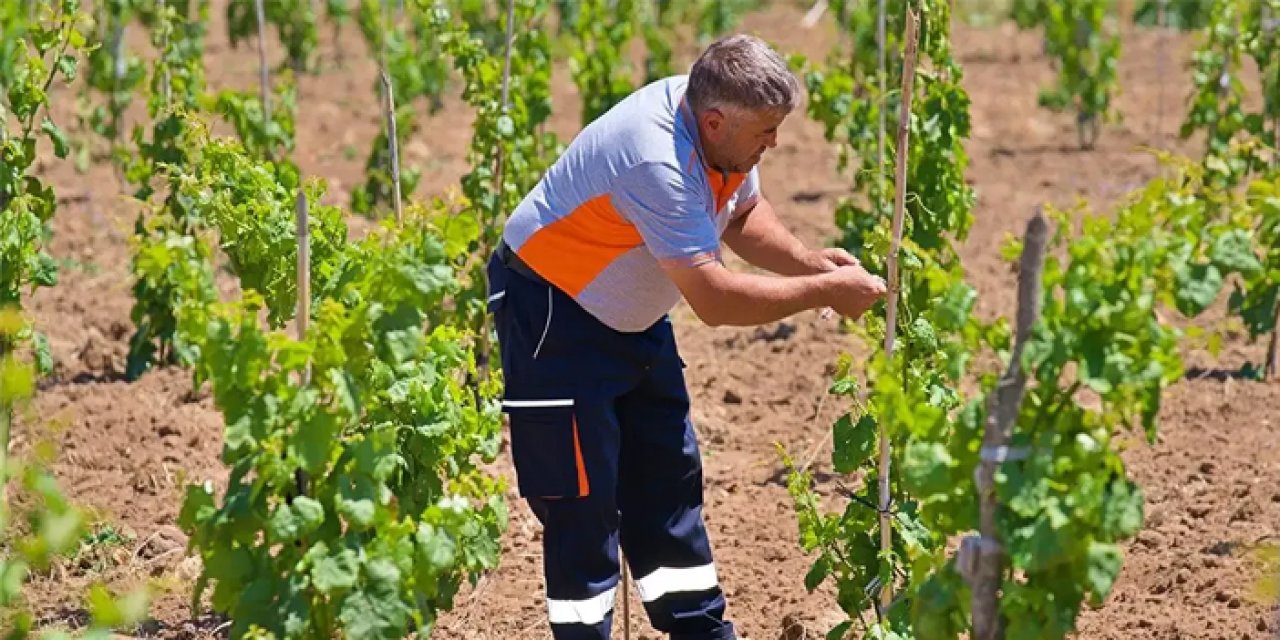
(724, 188)
(573, 250)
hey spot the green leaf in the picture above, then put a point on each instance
(373, 613)
(1121, 510)
(357, 506)
(43, 353)
(927, 468)
(56, 136)
(283, 525)
(1233, 251)
(839, 631)
(1094, 355)
(310, 513)
(336, 571)
(111, 612)
(67, 66)
(1105, 561)
(61, 531)
(818, 572)
(46, 273)
(854, 443)
(1197, 287)
(197, 507)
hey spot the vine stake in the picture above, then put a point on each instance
(394, 146)
(986, 554)
(899, 205)
(263, 78)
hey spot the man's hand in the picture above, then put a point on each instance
(854, 289)
(824, 260)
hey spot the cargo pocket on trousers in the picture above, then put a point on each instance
(547, 449)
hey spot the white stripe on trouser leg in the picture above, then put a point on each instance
(671, 580)
(589, 611)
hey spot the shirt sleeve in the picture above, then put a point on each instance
(748, 193)
(670, 214)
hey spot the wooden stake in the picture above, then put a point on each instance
(304, 266)
(164, 78)
(986, 554)
(1161, 26)
(393, 145)
(300, 479)
(506, 93)
(880, 52)
(263, 79)
(899, 206)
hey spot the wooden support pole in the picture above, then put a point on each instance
(393, 145)
(263, 78)
(300, 478)
(985, 556)
(891, 319)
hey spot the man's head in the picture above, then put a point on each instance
(740, 90)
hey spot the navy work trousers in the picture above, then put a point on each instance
(605, 453)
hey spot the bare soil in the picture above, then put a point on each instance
(127, 449)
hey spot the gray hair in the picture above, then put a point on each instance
(741, 71)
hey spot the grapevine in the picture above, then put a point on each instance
(598, 61)
(1087, 57)
(1239, 141)
(845, 97)
(509, 150)
(416, 64)
(53, 525)
(934, 331)
(251, 203)
(46, 52)
(170, 262)
(395, 514)
(114, 73)
(295, 22)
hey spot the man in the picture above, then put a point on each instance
(627, 221)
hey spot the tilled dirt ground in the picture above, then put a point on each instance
(127, 450)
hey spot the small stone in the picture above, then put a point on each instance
(1199, 510)
(168, 430)
(1207, 467)
(1233, 603)
(190, 568)
(730, 397)
(1222, 596)
(1262, 624)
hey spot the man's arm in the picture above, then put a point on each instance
(760, 238)
(722, 297)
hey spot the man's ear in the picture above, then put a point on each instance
(712, 121)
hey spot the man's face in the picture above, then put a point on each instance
(735, 139)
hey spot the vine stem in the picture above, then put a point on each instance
(899, 206)
(1003, 406)
(263, 79)
(393, 145)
